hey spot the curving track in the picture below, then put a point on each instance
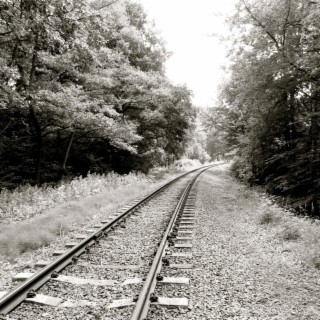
(175, 227)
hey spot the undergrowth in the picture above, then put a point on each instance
(299, 234)
(32, 217)
(290, 233)
(26, 201)
(41, 230)
(268, 218)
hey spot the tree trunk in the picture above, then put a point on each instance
(33, 115)
(67, 151)
(292, 124)
(290, 131)
(34, 62)
(315, 151)
(39, 141)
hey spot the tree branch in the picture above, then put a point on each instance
(261, 25)
(107, 5)
(15, 39)
(281, 51)
(6, 127)
(286, 22)
(5, 33)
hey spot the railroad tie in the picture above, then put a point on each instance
(67, 279)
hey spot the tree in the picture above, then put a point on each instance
(274, 89)
(50, 59)
(80, 82)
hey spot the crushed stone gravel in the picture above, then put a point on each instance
(133, 243)
(242, 271)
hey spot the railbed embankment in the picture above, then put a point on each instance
(247, 268)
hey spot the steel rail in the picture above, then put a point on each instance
(19, 293)
(143, 303)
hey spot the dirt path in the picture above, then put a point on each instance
(250, 257)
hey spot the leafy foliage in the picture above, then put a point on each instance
(198, 136)
(217, 134)
(82, 87)
(32, 219)
(272, 97)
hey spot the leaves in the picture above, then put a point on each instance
(91, 71)
(273, 95)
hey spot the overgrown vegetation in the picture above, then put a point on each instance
(33, 216)
(26, 201)
(31, 234)
(299, 235)
(268, 217)
(269, 109)
(82, 88)
(290, 233)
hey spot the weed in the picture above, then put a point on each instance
(46, 220)
(315, 260)
(27, 201)
(290, 233)
(268, 217)
(313, 257)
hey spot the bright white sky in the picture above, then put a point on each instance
(186, 26)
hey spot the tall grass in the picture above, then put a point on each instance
(298, 234)
(27, 201)
(33, 217)
(41, 230)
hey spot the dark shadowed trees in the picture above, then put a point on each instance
(274, 91)
(82, 87)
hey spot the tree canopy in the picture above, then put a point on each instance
(271, 98)
(82, 87)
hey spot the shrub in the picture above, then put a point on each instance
(290, 233)
(268, 217)
(27, 201)
(313, 257)
(241, 169)
(186, 164)
(53, 212)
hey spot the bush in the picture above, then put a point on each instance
(26, 201)
(312, 256)
(290, 233)
(186, 164)
(268, 217)
(241, 169)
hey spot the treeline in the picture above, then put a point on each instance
(270, 105)
(82, 87)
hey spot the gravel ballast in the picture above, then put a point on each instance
(133, 243)
(242, 269)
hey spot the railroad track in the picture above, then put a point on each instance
(162, 230)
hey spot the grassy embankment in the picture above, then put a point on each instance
(33, 217)
(299, 235)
